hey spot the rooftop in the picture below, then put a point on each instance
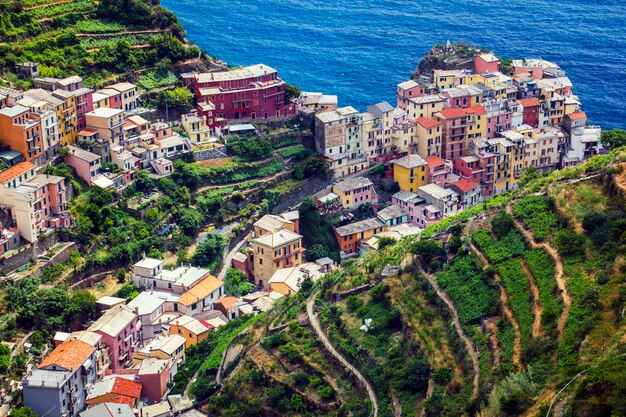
(115, 385)
(193, 325)
(272, 223)
(410, 161)
(108, 410)
(434, 161)
(293, 277)
(114, 321)
(276, 239)
(428, 123)
(437, 191)
(391, 212)
(352, 184)
(69, 355)
(358, 227)
(14, 110)
(465, 185)
(105, 112)
(83, 154)
(201, 290)
(252, 71)
(15, 171)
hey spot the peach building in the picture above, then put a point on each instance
(20, 129)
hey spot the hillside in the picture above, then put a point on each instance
(98, 39)
(492, 313)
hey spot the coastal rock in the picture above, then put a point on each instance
(447, 56)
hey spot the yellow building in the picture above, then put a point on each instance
(193, 330)
(64, 104)
(355, 191)
(410, 172)
(450, 78)
(273, 251)
(428, 137)
(426, 106)
(476, 124)
(493, 82)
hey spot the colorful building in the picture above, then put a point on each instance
(253, 92)
(355, 191)
(410, 172)
(20, 130)
(120, 328)
(350, 235)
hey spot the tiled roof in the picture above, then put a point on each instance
(276, 239)
(427, 122)
(83, 154)
(126, 391)
(201, 290)
(352, 184)
(109, 410)
(114, 320)
(578, 115)
(358, 227)
(434, 161)
(465, 185)
(530, 102)
(69, 355)
(193, 325)
(452, 113)
(15, 171)
(226, 302)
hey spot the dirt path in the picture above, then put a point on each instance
(317, 327)
(493, 340)
(508, 313)
(558, 263)
(537, 307)
(429, 393)
(471, 349)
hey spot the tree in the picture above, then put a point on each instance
(315, 252)
(190, 221)
(179, 98)
(385, 241)
(502, 224)
(236, 284)
(84, 302)
(209, 251)
(23, 412)
(143, 181)
(127, 291)
(312, 167)
(613, 138)
(121, 275)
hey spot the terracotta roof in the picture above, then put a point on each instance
(201, 290)
(530, 102)
(15, 171)
(434, 161)
(125, 390)
(88, 131)
(226, 302)
(452, 113)
(578, 115)
(476, 110)
(69, 355)
(465, 185)
(427, 122)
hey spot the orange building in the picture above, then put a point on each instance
(20, 129)
(350, 235)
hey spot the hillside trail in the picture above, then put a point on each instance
(558, 263)
(471, 350)
(490, 325)
(537, 307)
(508, 313)
(317, 327)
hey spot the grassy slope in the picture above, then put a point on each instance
(99, 40)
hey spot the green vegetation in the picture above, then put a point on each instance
(520, 298)
(297, 152)
(511, 245)
(236, 283)
(541, 266)
(86, 37)
(473, 291)
(155, 79)
(613, 139)
(317, 232)
(537, 212)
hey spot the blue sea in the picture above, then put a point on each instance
(360, 49)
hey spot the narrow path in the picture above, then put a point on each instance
(508, 313)
(229, 258)
(537, 307)
(317, 327)
(493, 340)
(471, 350)
(429, 393)
(558, 263)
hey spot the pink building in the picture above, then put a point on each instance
(438, 170)
(154, 375)
(83, 96)
(355, 191)
(485, 63)
(121, 331)
(420, 213)
(86, 164)
(254, 92)
(408, 90)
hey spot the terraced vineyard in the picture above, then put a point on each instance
(100, 40)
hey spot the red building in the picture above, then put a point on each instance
(485, 63)
(531, 111)
(478, 168)
(254, 92)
